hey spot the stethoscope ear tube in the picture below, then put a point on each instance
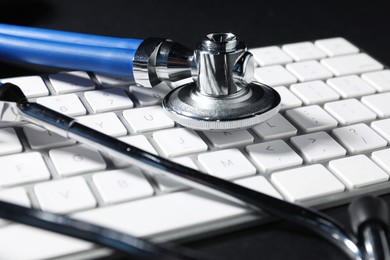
(371, 223)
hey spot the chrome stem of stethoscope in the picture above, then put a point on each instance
(15, 107)
(220, 98)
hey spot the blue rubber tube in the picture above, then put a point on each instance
(68, 50)
(68, 37)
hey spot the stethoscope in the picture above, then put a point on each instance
(211, 90)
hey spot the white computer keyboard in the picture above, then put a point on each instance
(328, 144)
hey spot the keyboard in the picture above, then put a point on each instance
(328, 144)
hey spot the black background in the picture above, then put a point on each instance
(258, 23)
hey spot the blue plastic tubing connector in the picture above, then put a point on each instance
(68, 50)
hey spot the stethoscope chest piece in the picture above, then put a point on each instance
(223, 96)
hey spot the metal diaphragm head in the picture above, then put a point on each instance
(223, 96)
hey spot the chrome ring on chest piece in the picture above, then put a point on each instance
(223, 96)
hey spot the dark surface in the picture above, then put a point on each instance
(259, 23)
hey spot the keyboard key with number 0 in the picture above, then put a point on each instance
(349, 111)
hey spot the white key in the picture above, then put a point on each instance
(309, 70)
(350, 86)
(227, 164)
(18, 236)
(306, 183)
(160, 213)
(288, 99)
(336, 46)
(149, 96)
(68, 104)
(138, 141)
(121, 185)
(273, 155)
(272, 55)
(108, 100)
(359, 138)
(378, 103)
(113, 81)
(379, 79)
(349, 111)
(274, 76)
(166, 184)
(358, 171)
(31, 86)
(260, 184)
(9, 141)
(311, 118)
(23, 168)
(76, 159)
(227, 139)
(303, 51)
(40, 138)
(16, 196)
(186, 162)
(276, 127)
(179, 141)
(147, 119)
(317, 147)
(64, 196)
(382, 127)
(107, 123)
(314, 92)
(351, 64)
(382, 159)
(68, 82)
